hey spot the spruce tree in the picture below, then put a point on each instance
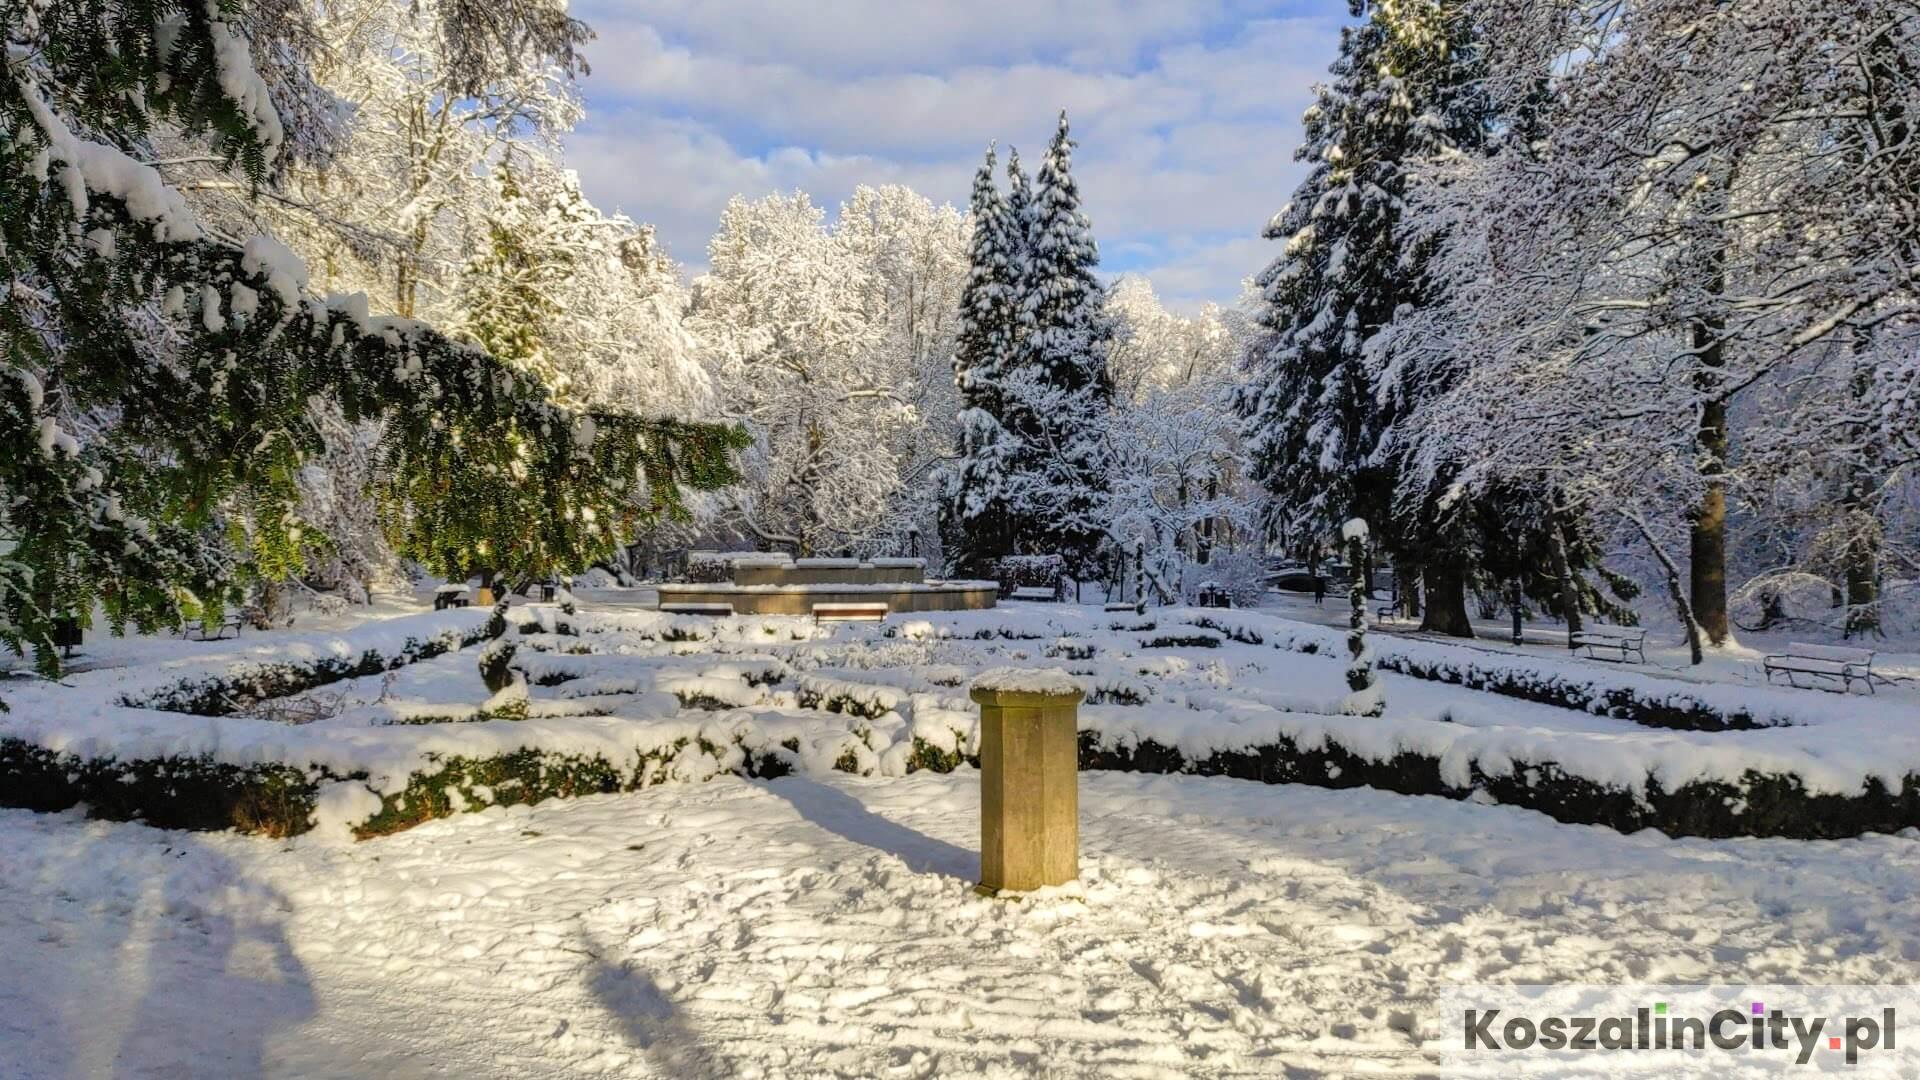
(974, 521)
(1065, 392)
(1318, 416)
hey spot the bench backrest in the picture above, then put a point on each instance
(1840, 654)
(1601, 629)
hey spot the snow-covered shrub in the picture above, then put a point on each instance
(1031, 572)
(1186, 637)
(854, 699)
(1231, 628)
(1675, 709)
(1758, 804)
(1242, 574)
(708, 567)
(1068, 648)
(242, 686)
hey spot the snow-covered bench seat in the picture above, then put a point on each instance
(1034, 592)
(870, 612)
(1817, 662)
(1597, 637)
(717, 610)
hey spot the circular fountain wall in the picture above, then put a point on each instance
(766, 585)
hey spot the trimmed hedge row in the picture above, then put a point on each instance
(245, 685)
(278, 800)
(1675, 709)
(172, 793)
(1761, 804)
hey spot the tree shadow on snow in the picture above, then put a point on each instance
(150, 955)
(647, 1018)
(845, 816)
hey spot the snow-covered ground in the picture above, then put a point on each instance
(1738, 662)
(802, 927)
(822, 924)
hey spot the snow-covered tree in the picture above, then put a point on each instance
(784, 313)
(975, 528)
(1692, 287)
(916, 256)
(1058, 392)
(154, 400)
(1154, 349)
(1178, 490)
(1319, 417)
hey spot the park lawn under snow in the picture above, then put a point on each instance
(803, 927)
(822, 924)
(677, 687)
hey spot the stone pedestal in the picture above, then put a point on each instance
(1029, 789)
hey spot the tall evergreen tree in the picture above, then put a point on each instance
(1318, 415)
(974, 522)
(1062, 383)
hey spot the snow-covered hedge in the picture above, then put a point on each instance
(1754, 804)
(352, 779)
(230, 687)
(851, 698)
(642, 708)
(1673, 707)
(1649, 700)
(365, 780)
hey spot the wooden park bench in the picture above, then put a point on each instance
(715, 610)
(211, 630)
(1831, 662)
(1215, 597)
(1034, 592)
(1598, 637)
(450, 595)
(875, 611)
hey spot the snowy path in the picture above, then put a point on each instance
(800, 928)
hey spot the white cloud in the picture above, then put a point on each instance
(1187, 114)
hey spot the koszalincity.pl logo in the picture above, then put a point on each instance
(1750, 1028)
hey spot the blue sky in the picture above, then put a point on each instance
(1187, 114)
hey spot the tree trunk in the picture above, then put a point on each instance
(1862, 564)
(1674, 591)
(1364, 696)
(1447, 600)
(1707, 562)
(1406, 588)
(1513, 603)
(1563, 572)
(1861, 559)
